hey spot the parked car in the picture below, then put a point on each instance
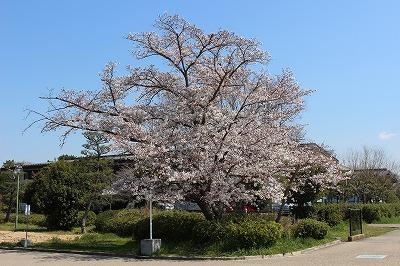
(165, 205)
(286, 208)
(187, 206)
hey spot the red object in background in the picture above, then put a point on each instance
(245, 208)
(249, 208)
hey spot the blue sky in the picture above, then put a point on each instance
(348, 51)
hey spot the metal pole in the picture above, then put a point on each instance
(16, 212)
(26, 229)
(151, 218)
(350, 217)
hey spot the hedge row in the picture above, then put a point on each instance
(34, 219)
(120, 222)
(169, 225)
(333, 214)
(40, 219)
(176, 226)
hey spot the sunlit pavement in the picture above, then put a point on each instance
(382, 250)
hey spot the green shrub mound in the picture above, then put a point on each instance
(34, 219)
(373, 213)
(332, 214)
(120, 222)
(237, 234)
(103, 221)
(91, 219)
(209, 231)
(169, 225)
(253, 234)
(310, 228)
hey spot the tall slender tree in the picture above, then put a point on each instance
(97, 145)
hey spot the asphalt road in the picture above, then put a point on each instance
(382, 250)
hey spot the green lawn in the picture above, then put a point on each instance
(95, 242)
(114, 244)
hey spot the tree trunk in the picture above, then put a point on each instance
(285, 195)
(8, 214)
(279, 216)
(84, 218)
(209, 212)
(10, 206)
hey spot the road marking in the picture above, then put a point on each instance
(370, 256)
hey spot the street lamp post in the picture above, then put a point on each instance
(17, 171)
(151, 216)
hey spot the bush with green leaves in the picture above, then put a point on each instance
(374, 212)
(332, 214)
(371, 213)
(209, 231)
(236, 233)
(252, 234)
(120, 222)
(91, 219)
(310, 228)
(34, 218)
(170, 225)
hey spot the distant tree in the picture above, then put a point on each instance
(97, 145)
(374, 178)
(8, 187)
(67, 157)
(310, 169)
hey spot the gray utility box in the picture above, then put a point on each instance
(149, 246)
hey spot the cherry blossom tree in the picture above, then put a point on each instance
(309, 164)
(211, 124)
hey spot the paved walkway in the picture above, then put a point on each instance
(382, 250)
(385, 225)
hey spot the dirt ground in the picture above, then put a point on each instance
(13, 237)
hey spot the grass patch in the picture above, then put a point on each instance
(371, 231)
(342, 231)
(94, 242)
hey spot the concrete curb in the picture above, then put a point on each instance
(185, 258)
(327, 245)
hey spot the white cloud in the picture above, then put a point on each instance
(386, 135)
